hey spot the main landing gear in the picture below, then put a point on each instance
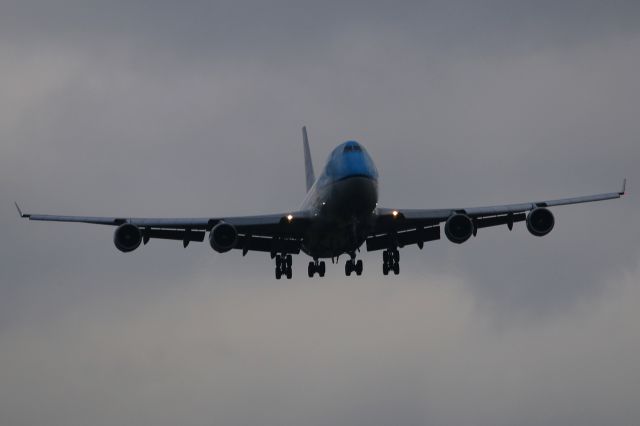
(352, 266)
(316, 266)
(283, 266)
(391, 261)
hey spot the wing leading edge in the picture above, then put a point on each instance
(280, 231)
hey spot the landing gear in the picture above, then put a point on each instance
(316, 266)
(283, 266)
(352, 266)
(391, 261)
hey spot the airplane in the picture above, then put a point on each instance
(339, 214)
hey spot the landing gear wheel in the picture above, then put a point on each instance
(348, 267)
(316, 267)
(283, 266)
(391, 261)
(352, 266)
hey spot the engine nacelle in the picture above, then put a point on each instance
(458, 228)
(540, 221)
(127, 237)
(223, 237)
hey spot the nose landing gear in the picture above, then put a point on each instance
(391, 261)
(352, 266)
(283, 266)
(316, 266)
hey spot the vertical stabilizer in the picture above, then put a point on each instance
(308, 164)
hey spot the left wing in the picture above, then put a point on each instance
(416, 226)
(275, 233)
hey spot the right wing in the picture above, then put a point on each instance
(275, 233)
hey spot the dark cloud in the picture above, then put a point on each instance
(192, 109)
(284, 26)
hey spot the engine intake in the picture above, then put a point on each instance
(540, 221)
(223, 237)
(458, 228)
(127, 237)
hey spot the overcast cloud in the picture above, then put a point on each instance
(194, 108)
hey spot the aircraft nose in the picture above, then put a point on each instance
(358, 164)
(355, 164)
(350, 159)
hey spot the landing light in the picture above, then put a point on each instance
(395, 213)
(289, 217)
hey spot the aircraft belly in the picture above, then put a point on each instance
(344, 218)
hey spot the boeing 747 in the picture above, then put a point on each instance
(339, 214)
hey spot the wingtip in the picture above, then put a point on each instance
(19, 210)
(624, 187)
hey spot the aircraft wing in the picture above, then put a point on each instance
(278, 232)
(416, 226)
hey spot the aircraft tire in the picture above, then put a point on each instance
(289, 272)
(321, 269)
(358, 267)
(396, 268)
(311, 269)
(385, 268)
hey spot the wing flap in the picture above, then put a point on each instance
(508, 219)
(405, 238)
(173, 234)
(266, 244)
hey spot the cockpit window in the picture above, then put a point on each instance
(352, 148)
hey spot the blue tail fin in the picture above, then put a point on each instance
(308, 164)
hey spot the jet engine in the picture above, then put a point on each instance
(223, 237)
(458, 228)
(127, 237)
(540, 221)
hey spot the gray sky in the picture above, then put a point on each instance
(194, 108)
